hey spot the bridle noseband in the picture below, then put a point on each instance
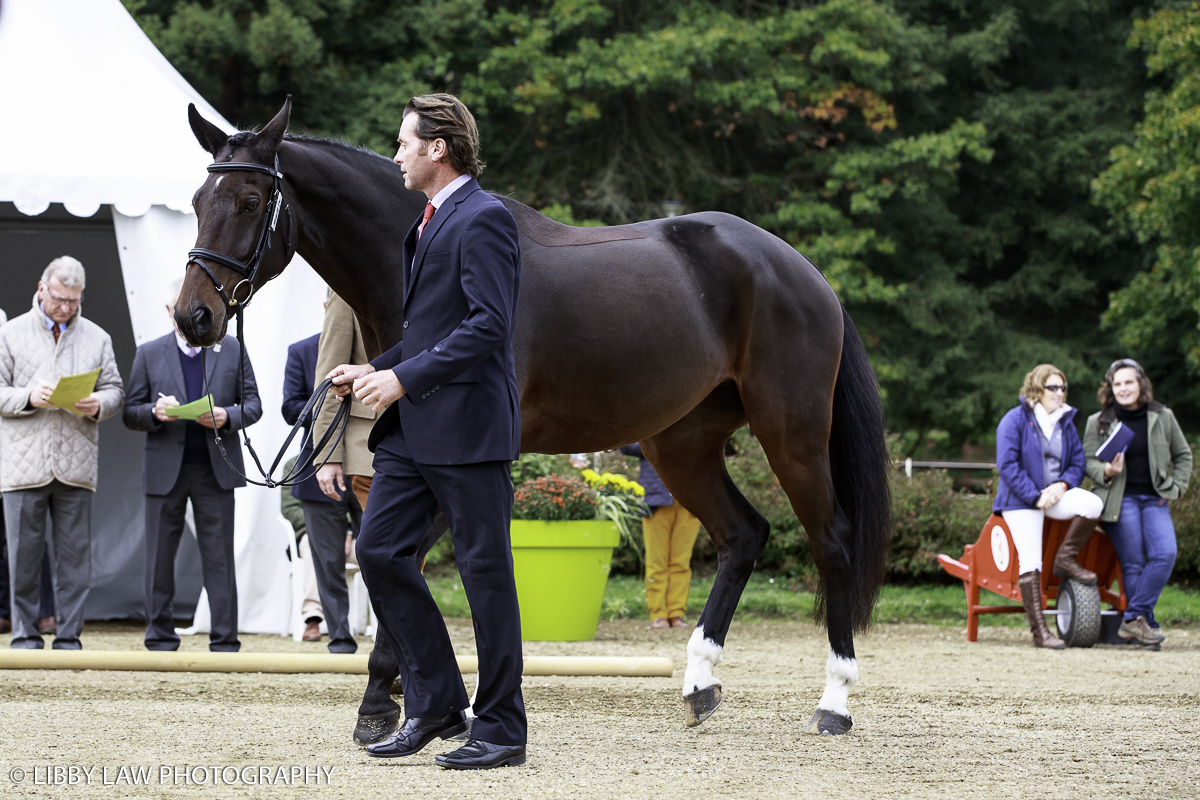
(248, 270)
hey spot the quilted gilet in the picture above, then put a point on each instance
(38, 445)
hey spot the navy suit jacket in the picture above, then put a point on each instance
(156, 368)
(299, 376)
(456, 359)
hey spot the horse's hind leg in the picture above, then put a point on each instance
(798, 454)
(690, 458)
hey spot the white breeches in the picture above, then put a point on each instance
(1025, 524)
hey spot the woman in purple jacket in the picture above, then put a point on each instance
(1041, 465)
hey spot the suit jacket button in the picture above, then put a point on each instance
(406, 323)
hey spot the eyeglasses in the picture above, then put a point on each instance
(1055, 388)
(70, 302)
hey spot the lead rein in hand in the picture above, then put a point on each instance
(297, 474)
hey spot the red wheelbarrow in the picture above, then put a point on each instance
(991, 563)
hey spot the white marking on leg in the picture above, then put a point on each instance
(840, 675)
(703, 655)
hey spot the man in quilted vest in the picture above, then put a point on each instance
(48, 455)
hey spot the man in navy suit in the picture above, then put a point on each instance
(451, 427)
(325, 518)
(181, 463)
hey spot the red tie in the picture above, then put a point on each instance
(428, 215)
(54, 328)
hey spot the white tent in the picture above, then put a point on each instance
(92, 115)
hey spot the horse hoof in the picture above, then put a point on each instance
(827, 723)
(376, 727)
(700, 705)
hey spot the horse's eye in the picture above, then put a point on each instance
(251, 205)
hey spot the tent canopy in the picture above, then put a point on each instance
(92, 113)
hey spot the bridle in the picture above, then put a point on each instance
(249, 272)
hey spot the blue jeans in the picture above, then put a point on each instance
(1144, 538)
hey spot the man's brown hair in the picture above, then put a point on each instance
(443, 116)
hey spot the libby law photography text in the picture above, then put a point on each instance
(170, 775)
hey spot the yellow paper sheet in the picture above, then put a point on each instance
(70, 389)
(192, 410)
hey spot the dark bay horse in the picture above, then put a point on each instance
(673, 333)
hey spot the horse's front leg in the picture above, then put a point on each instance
(379, 714)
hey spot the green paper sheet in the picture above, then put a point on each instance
(192, 410)
(70, 389)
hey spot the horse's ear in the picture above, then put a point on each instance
(273, 133)
(210, 137)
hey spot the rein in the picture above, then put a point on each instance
(249, 271)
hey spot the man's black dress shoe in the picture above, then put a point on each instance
(481, 755)
(416, 732)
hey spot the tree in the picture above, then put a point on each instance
(1151, 190)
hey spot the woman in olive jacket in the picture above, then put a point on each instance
(1136, 487)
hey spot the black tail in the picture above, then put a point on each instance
(858, 457)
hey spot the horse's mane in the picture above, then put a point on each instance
(551, 233)
(532, 223)
(299, 138)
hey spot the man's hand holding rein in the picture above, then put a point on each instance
(376, 390)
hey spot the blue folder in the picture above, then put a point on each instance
(1117, 442)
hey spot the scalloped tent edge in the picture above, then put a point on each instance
(91, 114)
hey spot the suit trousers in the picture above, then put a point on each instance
(477, 501)
(212, 508)
(70, 510)
(46, 606)
(327, 524)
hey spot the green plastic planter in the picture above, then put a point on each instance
(561, 570)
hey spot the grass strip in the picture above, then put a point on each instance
(767, 598)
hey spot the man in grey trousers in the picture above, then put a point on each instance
(49, 458)
(182, 463)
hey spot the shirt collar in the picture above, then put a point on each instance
(184, 347)
(49, 323)
(449, 189)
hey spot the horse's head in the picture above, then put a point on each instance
(235, 210)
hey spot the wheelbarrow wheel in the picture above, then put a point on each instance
(1078, 619)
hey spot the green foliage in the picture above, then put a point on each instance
(538, 465)
(930, 517)
(1185, 514)
(1151, 191)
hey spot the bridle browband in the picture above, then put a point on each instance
(249, 271)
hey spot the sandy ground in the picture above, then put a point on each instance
(934, 716)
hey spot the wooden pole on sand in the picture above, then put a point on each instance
(147, 661)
